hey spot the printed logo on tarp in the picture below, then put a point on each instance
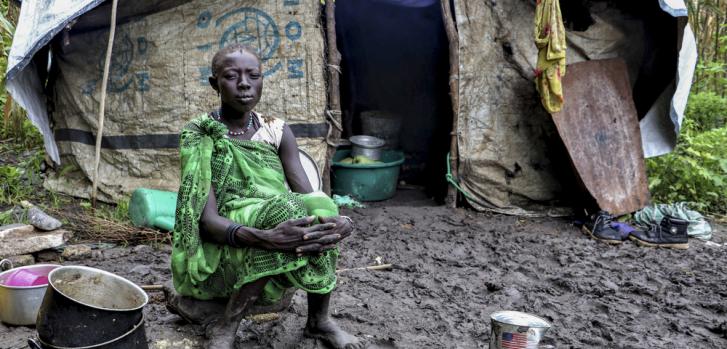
(257, 29)
(121, 78)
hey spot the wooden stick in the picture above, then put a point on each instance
(102, 106)
(453, 39)
(371, 267)
(152, 287)
(334, 94)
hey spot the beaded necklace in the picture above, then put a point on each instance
(216, 115)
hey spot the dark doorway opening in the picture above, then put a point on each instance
(395, 67)
(659, 36)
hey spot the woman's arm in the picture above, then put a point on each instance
(298, 182)
(290, 158)
(292, 235)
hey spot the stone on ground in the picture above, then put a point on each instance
(42, 220)
(17, 239)
(75, 252)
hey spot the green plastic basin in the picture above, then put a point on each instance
(371, 182)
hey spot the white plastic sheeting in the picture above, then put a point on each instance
(39, 22)
(660, 127)
(676, 8)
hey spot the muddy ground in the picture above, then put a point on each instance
(455, 267)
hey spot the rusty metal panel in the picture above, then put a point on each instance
(600, 129)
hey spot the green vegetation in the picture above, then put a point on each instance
(19, 181)
(696, 171)
(22, 154)
(706, 111)
(708, 19)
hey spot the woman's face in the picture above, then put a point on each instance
(239, 81)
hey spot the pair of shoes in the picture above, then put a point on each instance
(599, 228)
(670, 233)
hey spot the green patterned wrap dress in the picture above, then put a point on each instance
(250, 188)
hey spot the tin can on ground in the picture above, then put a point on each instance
(516, 330)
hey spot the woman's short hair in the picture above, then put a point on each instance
(217, 58)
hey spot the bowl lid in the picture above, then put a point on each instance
(518, 318)
(367, 141)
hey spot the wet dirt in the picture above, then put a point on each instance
(453, 268)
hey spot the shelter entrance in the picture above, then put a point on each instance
(394, 83)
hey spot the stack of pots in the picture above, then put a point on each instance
(21, 292)
(90, 308)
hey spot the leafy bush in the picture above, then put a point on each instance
(707, 110)
(15, 129)
(696, 171)
(711, 74)
(20, 181)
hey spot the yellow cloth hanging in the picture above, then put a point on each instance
(550, 39)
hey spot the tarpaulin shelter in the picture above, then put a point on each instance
(158, 80)
(161, 61)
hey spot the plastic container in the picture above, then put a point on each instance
(153, 208)
(370, 182)
(156, 208)
(26, 277)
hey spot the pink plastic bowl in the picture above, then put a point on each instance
(26, 277)
(21, 293)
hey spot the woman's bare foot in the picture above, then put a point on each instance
(328, 330)
(192, 310)
(221, 334)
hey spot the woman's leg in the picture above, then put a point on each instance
(320, 325)
(221, 334)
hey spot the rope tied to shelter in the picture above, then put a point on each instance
(454, 182)
(335, 67)
(333, 119)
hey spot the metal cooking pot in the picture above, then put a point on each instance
(19, 304)
(86, 306)
(367, 146)
(134, 339)
(516, 329)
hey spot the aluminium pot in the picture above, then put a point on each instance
(367, 146)
(134, 339)
(19, 304)
(515, 329)
(86, 306)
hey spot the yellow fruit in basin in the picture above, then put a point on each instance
(364, 160)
